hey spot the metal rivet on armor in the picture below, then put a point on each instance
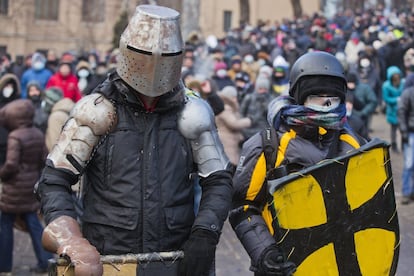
(213, 226)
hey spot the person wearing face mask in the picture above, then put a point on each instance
(37, 72)
(220, 77)
(309, 125)
(9, 91)
(84, 74)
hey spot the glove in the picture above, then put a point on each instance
(273, 262)
(63, 236)
(404, 137)
(199, 251)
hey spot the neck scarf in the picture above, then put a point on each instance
(285, 110)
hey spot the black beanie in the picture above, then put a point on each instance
(314, 85)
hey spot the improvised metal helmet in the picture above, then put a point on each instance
(325, 72)
(151, 50)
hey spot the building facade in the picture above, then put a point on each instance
(84, 25)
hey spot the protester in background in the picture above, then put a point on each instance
(230, 124)
(37, 72)
(244, 85)
(58, 116)
(84, 74)
(97, 78)
(355, 121)
(9, 91)
(67, 81)
(255, 105)
(220, 77)
(367, 100)
(406, 126)
(26, 154)
(391, 92)
(280, 77)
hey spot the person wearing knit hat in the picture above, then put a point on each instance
(230, 124)
(306, 127)
(220, 77)
(254, 106)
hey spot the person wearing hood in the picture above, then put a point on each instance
(65, 79)
(36, 94)
(37, 72)
(84, 74)
(9, 91)
(365, 98)
(391, 92)
(230, 124)
(254, 106)
(26, 155)
(280, 76)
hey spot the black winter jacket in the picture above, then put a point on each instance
(138, 196)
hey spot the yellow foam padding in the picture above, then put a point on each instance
(365, 175)
(268, 218)
(375, 251)
(258, 178)
(320, 262)
(310, 212)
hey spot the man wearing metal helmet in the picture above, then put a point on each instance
(136, 140)
(308, 126)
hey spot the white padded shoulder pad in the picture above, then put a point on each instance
(94, 111)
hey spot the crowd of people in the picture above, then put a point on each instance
(238, 76)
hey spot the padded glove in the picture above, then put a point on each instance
(272, 262)
(199, 251)
(63, 236)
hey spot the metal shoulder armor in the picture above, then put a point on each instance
(196, 123)
(92, 117)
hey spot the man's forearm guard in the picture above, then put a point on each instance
(252, 232)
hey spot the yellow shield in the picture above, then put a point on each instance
(339, 217)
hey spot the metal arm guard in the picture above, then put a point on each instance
(196, 123)
(253, 233)
(91, 118)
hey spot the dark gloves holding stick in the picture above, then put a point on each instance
(272, 262)
(199, 251)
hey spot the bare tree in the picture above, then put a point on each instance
(244, 12)
(190, 17)
(297, 8)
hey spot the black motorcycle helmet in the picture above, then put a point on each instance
(316, 72)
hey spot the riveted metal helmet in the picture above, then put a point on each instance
(317, 71)
(151, 50)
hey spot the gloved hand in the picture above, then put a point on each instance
(273, 262)
(404, 137)
(63, 236)
(199, 251)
